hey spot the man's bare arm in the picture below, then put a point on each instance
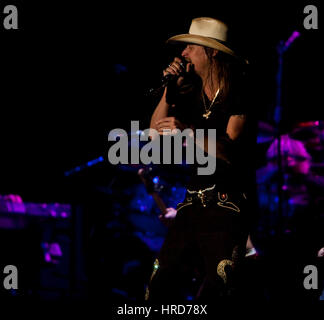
(235, 126)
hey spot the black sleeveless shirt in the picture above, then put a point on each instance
(230, 175)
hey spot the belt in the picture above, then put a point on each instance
(210, 194)
(201, 194)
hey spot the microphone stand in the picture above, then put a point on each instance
(83, 166)
(281, 49)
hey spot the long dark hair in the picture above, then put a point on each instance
(230, 72)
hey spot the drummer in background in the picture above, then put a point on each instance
(294, 238)
(311, 133)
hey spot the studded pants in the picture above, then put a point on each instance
(202, 252)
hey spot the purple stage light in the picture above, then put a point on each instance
(291, 39)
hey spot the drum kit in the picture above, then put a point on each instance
(310, 133)
(301, 171)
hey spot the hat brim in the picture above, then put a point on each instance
(203, 41)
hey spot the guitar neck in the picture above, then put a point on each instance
(150, 189)
(160, 203)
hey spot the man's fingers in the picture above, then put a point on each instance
(177, 65)
(176, 68)
(165, 132)
(166, 124)
(165, 119)
(173, 68)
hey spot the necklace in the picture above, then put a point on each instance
(208, 111)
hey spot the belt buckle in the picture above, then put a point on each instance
(202, 197)
(201, 194)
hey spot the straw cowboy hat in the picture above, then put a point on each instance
(206, 32)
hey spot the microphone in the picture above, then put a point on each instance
(170, 77)
(167, 79)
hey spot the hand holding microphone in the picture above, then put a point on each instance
(173, 75)
(173, 78)
(175, 70)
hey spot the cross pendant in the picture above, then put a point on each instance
(206, 115)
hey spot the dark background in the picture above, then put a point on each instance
(62, 89)
(75, 70)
